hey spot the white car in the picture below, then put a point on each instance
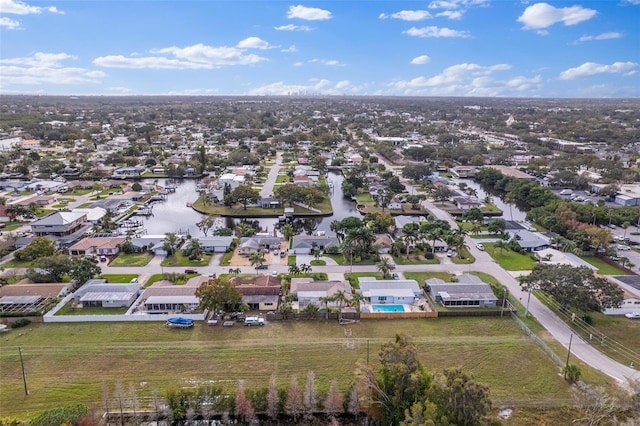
(480, 247)
(633, 315)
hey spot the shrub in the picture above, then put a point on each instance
(64, 415)
(20, 323)
(428, 255)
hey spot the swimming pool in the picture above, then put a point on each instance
(388, 308)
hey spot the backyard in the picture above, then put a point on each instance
(509, 259)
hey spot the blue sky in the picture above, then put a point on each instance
(586, 49)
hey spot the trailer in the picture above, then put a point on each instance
(179, 322)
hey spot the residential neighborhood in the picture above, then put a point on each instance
(157, 217)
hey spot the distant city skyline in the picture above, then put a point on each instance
(556, 49)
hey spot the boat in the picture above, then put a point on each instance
(189, 204)
(180, 322)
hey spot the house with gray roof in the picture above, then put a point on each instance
(468, 291)
(304, 244)
(99, 293)
(58, 224)
(530, 241)
(251, 244)
(215, 244)
(389, 291)
(310, 292)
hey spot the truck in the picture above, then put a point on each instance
(250, 321)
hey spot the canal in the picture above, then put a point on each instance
(173, 214)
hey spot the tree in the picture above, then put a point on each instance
(497, 226)
(304, 268)
(310, 399)
(170, 243)
(257, 258)
(400, 381)
(385, 266)
(243, 408)
(39, 247)
(206, 224)
(460, 399)
(594, 403)
(288, 231)
(82, 270)
(333, 402)
(50, 269)
(442, 193)
(417, 172)
(273, 399)
(575, 287)
(571, 373)
(217, 295)
(293, 403)
(245, 194)
(194, 249)
(294, 270)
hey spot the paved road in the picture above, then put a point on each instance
(269, 183)
(554, 325)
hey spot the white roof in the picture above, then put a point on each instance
(395, 292)
(107, 296)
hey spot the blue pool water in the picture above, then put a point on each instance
(388, 308)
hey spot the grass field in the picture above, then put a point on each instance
(70, 362)
(134, 259)
(509, 259)
(603, 267)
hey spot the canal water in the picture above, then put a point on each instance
(173, 214)
(509, 211)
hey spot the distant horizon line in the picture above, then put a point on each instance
(299, 96)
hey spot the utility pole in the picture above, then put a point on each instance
(526, 310)
(504, 297)
(24, 375)
(568, 355)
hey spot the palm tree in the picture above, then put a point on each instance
(324, 300)
(348, 251)
(169, 243)
(385, 266)
(499, 244)
(257, 257)
(234, 271)
(195, 249)
(411, 233)
(294, 270)
(397, 246)
(341, 297)
(311, 310)
(356, 300)
(305, 268)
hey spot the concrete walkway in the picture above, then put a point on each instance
(270, 182)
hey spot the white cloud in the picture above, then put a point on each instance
(119, 89)
(253, 43)
(197, 56)
(543, 15)
(46, 68)
(408, 15)
(462, 79)
(603, 36)
(444, 4)
(451, 14)
(308, 13)
(21, 8)
(315, 86)
(420, 60)
(330, 62)
(292, 27)
(589, 69)
(298, 64)
(435, 32)
(9, 24)
(634, 2)
(152, 62)
(290, 49)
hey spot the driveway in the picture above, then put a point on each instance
(269, 183)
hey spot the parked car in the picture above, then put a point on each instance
(449, 253)
(262, 266)
(249, 321)
(395, 276)
(190, 271)
(480, 247)
(623, 248)
(632, 315)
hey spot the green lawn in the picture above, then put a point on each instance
(340, 260)
(12, 226)
(82, 206)
(352, 277)
(68, 309)
(603, 267)
(238, 210)
(118, 278)
(318, 262)
(70, 362)
(13, 263)
(134, 259)
(179, 260)
(510, 260)
(420, 277)
(415, 259)
(291, 260)
(283, 179)
(463, 257)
